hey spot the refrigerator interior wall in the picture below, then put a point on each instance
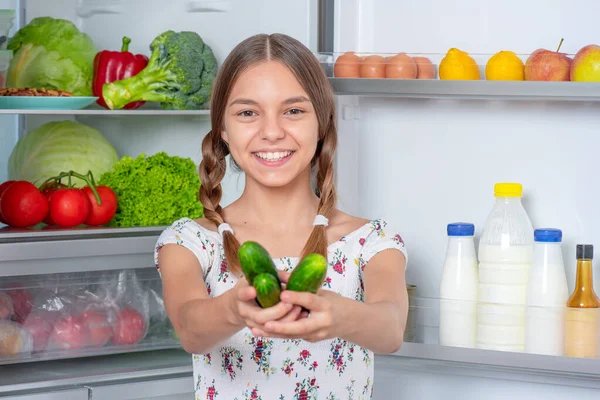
(222, 24)
(423, 163)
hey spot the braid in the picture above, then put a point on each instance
(212, 170)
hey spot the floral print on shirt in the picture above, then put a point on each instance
(238, 368)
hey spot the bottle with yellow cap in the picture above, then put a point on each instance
(505, 256)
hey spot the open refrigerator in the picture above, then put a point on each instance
(419, 153)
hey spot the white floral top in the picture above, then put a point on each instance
(247, 367)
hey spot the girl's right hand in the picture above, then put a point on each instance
(249, 313)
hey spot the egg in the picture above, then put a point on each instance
(347, 66)
(372, 67)
(426, 70)
(401, 66)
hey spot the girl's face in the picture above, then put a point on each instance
(270, 125)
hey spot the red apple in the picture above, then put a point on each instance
(546, 65)
(40, 325)
(98, 326)
(586, 64)
(130, 327)
(70, 333)
(22, 301)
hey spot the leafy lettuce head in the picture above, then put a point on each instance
(52, 54)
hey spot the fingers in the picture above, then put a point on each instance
(263, 315)
(292, 315)
(246, 293)
(284, 276)
(306, 300)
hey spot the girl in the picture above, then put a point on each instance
(273, 110)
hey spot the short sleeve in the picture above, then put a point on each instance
(380, 238)
(189, 234)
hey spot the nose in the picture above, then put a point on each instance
(272, 130)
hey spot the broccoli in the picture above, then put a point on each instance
(179, 75)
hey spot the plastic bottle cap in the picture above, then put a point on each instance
(548, 235)
(461, 229)
(585, 251)
(508, 190)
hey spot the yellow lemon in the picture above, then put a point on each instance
(458, 65)
(505, 66)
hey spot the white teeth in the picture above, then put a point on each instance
(273, 156)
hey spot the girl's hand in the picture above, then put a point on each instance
(319, 325)
(248, 313)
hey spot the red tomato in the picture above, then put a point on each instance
(23, 205)
(100, 215)
(69, 207)
(130, 327)
(3, 188)
(47, 191)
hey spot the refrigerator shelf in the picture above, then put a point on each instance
(481, 89)
(579, 372)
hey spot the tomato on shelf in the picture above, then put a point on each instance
(22, 205)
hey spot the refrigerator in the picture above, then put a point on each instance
(420, 154)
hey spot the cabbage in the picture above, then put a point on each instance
(52, 54)
(61, 146)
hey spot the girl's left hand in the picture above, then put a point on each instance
(319, 325)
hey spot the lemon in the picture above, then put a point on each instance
(458, 65)
(505, 66)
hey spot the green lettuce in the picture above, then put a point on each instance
(61, 146)
(52, 54)
(154, 190)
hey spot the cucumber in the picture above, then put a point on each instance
(268, 290)
(255, 260)
(309, 274)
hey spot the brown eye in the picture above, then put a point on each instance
(295, 111)
(247, 113)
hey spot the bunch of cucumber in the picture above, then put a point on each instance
(260, 271)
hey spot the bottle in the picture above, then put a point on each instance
(505, 256)
(581, 329)
(547, 294)
(458, 288)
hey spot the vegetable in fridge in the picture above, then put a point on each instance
(154, 190)
(59, 146)
(110, 66)
(179, 75)
(22, 205)
(52, 54)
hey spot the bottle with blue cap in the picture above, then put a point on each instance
(458, 288)
(547, 295)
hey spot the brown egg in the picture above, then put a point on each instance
(426, 70)
(347, 66)
(401, 66)
(372, 67)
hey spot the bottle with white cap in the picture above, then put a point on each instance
(458, 288)
(547, 294)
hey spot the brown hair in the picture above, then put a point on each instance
(305, 66)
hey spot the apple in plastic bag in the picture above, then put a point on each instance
(98, 327)
(22, 301)
(129, 328)
(70, 333)
(6, 306)
(40, 325)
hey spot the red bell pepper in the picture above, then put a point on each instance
(110, 66)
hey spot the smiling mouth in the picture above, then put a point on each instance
(273, 156)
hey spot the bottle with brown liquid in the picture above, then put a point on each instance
(583, 307)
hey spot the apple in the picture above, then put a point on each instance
(546, 65)
(22, 301)
(98, 327)
(130, 327)
(70, 333)
(586, 64)
(40, 325)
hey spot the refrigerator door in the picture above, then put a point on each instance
(67, 394)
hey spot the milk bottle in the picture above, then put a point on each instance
(458, 288)
(547, 295)
(505, 256)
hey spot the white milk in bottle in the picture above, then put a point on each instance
(505, 256)
(547, 295)
(458, 288)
